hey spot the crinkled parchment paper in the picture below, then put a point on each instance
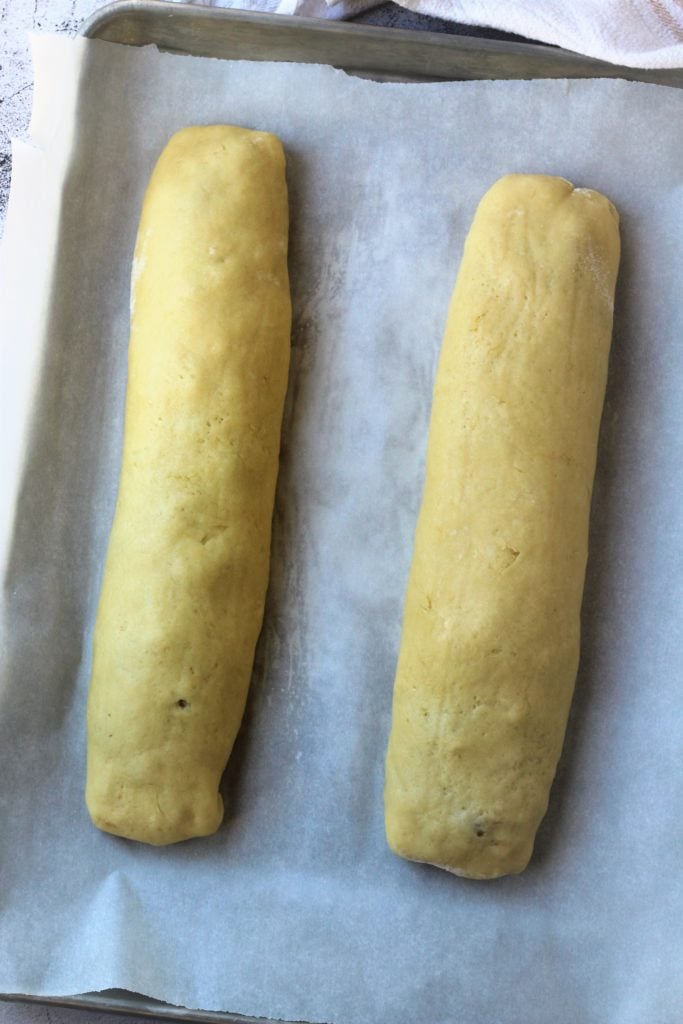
(296, 909)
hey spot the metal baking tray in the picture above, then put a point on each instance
(385, 54)
(388, 54)
(118, 1002)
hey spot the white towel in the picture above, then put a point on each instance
(635, 33)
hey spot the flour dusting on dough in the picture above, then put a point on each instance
(139, 260)
(597, 267)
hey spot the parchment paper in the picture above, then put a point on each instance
(296, 908)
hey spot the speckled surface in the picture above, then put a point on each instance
(17, 19)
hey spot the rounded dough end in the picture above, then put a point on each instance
(138, 814)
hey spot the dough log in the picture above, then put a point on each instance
(490, 642)
(187, 567)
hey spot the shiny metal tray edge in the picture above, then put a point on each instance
(383, 53)
(120, 1002)
(386, 54)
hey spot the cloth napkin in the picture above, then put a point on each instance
(635, 33)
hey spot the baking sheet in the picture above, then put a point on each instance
(296, 909)
(383, 53)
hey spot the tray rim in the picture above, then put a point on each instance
(575, 65)
(119, 1002)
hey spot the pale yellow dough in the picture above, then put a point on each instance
(490, 642)
(187, 568)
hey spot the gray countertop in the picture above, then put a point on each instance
(17, 19)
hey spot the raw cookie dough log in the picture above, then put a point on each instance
(490, 642)
(186, 573)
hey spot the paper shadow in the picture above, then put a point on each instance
(235, 783)
(54, 553)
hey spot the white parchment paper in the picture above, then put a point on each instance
(296, 909)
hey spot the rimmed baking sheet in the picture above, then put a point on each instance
(384, 54)
(211, 32)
